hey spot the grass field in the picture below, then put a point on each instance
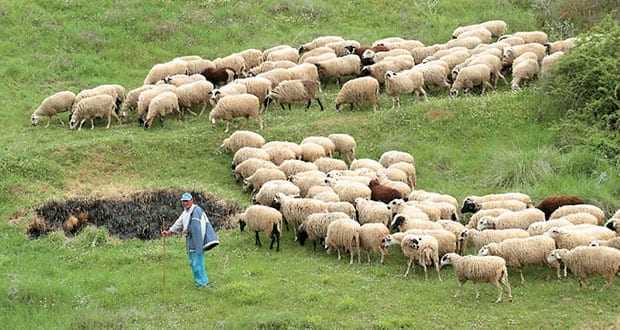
(469, 145)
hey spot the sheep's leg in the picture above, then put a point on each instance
(289, 107)
(308, 104)
(92, 123)
(359, 261)
(610, 280)
(338, 250)
(260, 122)
(507, 285)
(227, 126)
(204, 107)
(49, 120)
(437, 269)
(320, 104)
(564, 271)
(398, 102)
(190, 111)
(425, 271)
(60, 120)
(477, 287)
(409, 266)
(352, 253)
(499, 74)
(501, 292)
(257, 240)
(522, 278)
(351, 107)
(488, 84)
(558, 272)
(109, 121)
(282, 105)
(393, 103)
(314, 246)
(483, 89)
(81, 123)
(117, 117)
(382, 257)
(368, 256)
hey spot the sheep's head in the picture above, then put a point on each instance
(140, 122)
(269, 99)
(556, 256)
(486, 222)
(463, 235)
(277, 200)
(395, 204)
(302, 234)
(554, 232)
(73, 123)
(246, 185)
(612, 225)
(595, 243)
(448, 259)
(508, 56)
(485, 251)
(242, 224)
(349, 49)
(390, 75)
(373, 183)
(413, 242)
(34, 119)
(366, 71)
(469, 206)
(386, 242)
(398, 221)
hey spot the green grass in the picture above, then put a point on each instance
(469, 145)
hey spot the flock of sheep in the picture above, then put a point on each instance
(354, 205)
(244, 84)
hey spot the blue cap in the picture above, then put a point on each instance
(186, 197)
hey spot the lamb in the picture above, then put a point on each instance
(405, 82)
(480, 269)
(549, 62)
(296, 210)
(233, 62)
(372, 237)
(612, 242)
(262, 218)
(251, 57)
(339, 68)
(517, 219)
(304, 71)
(423, 249)
(314, 228)
(162, 105)
(232, 106)
(246, 168)
(271, 65)
(53, 105)
(472, 76)
(481, 238)
(268, 191)
(519, 252)
(326, 164)
(262, 176)
(276, 76)
(131, 101)
(294, 91)
(513, 52)
(284, 54)
(579, 208)
(372, 212)
(163, 70)
(552, 203)
(348, 191)
(246, 153)
(540, 227)
(99, 106)
(240, 139)
(292, 167)
(194, 94)
(343, 233)
(524, 71)
(447, 240)
(319, 42)
(358, 91)
(278, 155)
(585, 261)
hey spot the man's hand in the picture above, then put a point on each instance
(166, 233)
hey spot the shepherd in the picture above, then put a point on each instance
(199, 237)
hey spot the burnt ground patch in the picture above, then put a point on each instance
(139, 215)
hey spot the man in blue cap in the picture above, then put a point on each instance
(192, 224)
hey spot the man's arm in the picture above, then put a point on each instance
(196, 234)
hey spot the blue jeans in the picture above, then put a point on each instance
(197, 262)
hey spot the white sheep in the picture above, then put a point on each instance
(163, 70)
(181, 79)
(339, 68)
(285, 144)
(480, 269)
(314, 228)
(471, 76)
(579, 208)
(304, 71)
(296, 210)
(319, 42)
(194, 94)
(279, 155)
(292, 167)
(358, 91)
(307, 180)
(549, 62)
(233, 106)
(511, 53)
(257, 86)
(422, 249)
(612, 242)
(481, 238)
(532, 37)
(252, 57)
(53, 105)
(240, 139)
(294, 91)
(234, 62)
(540, 227)
(326, 164)
(348, 191)
(262, 218)
(571, 237)
(343, 234)
(405, 82)
(372, 238)
(524, 71)
(271, 65)
(98, 106)
(563, 46)
(372, 212)
(131, 101)
(246, 168)
(162, 105)
(262, 176)
(435, 73)
(408, 169)
(585, 261)
(517, 219)
(246, 153)
(268, 191)
(147, 96)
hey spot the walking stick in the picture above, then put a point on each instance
(163, 268)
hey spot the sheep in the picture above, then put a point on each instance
(246, 168)
(481, 238)
(531, 37)
(496, 27)
(580, 218)
(251, 57)
(315, 190)
(434, 74)
(268, 191)
(372, 212)
(517, 219)
(131, 101)
(571, 237)
(262, 176)
(519, 252)
(324, 142)
(227, 90)
(467, 42)
(475, 218)
(232, 106)
(246, 153)
(360, 51)
(405, 222)
(445, 52)
(197, 66)
(328, 196)
(234, 62)
(326, 164)
(343, 233)
(163, 70)
(285, 144)
(493, 62)
(116, 91)
(343, 48)
(511, 53)
(296, 210)
(480, 269)
(294, 91)
(312, 151)
(433, 212)
(579, 208)
(452, 226)
(420, 53)
(405, 82)
(612, 224)
(454, 58)
(268, 51)
(483, 34)
(339, 68)
(540, 227)
(271, 65)
(194, 94)
(549, 62)
(358, 91)
(472, 206)
(444, 210)
(409, 169)
(319, 42)
(372, 238)
(292, 167)
(393, 174)
(276, 76)
(378, 57)
(404, 44)
(278, 155)
(53, 105)
(379, 69)
(344, 207)
(391, 157)
(447, 240)
(499, 197)
(348, 191)
(162, 105)
(304, 71)
(240, 139)
(262, 218)
(366, 163)
(285, 54)
(145, 98)
(524, 71)
(314, 228)
(472, 76)
(307, 180)
(316, 52)
(383, 193)
(423, 249)
(585, 261)
(437, 198)
(319, 58)
(612, 242)
(98, 106)
(181, 79)
(552, 203)
(257, 86)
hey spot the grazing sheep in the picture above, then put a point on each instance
(145, 98)
(53, 105)
(612, 224)
(517, 219)
(498, 197)
(435, 74)
(344, 207)
(240, 139)
(343, 234)
(262, 218)
(327, 196)
(296, 210)
(511, 53)
(285, 144)
(420, 53)
(579, 208)
(378, 57)
(248, 167)
(549, 62)
(315, 190)
(378, 70)
(268, 191)
(233, 106)
(372, 212)
(613, 243)
(348, 191)
(227, 90)
(285, 54)
(181, 79)
(519, 252)
(268, 51)
(317, 52)
(304, 71)
(314, 228)
(372, 238)
(524, 71)
(294, 91)
(339, 68)
(393, 174)
(510, 204)
(358, 91)
(360, 51)
(481, 238)
(307, 180)
(408, 169)
(343, 48)
(251, 57)
(319, 58)
(370, 164)
(292, 167)
(324, 142)
(467, 42)
(447, 241)
(163, 70)
(532, 37)
(116, 91)
(246, 153)
(480, 269)
(471, 76)
(276, 76)
(268, 66)
(319, 42)
(257, 86)
(391, 157)
(570, 237)
(312, 151)
(421, 249)
(233, 62)
(493, 62)
(262, 176)
(161, 105)
(406, 222)
(382, 192)
(326, 164)
(131, 101)
(540, 227)
(585, 261)
(278, 155)
(496, 27)
(482, 34)
(194, 94)
(563, 46)
(580, 218)
(475, 218)
(552, 203)
(98, 106)
(405, 82)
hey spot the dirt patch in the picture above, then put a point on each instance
(139, 215)
(439, 114)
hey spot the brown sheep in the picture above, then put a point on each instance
(552, 203)
(383, 193)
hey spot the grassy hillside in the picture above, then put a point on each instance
(499, 142)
